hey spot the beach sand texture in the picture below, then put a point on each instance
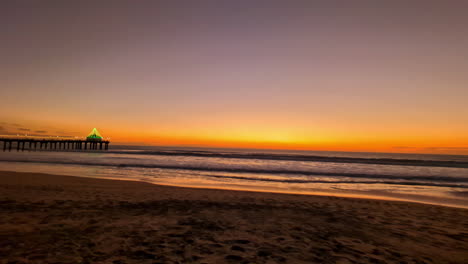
(63, 219)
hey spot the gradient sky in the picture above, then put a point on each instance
(321, 75)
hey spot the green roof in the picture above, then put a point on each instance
(94, 134)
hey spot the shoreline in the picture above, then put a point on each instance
(49, 218)
(453, 202)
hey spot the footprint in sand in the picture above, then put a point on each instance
(234, 258)
(238, 248)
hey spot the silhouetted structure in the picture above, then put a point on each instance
(94, 141)
(94, 136)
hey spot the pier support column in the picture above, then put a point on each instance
(107, 145)
(4, 145)
(9, 146)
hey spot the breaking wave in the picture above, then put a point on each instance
(370, 178)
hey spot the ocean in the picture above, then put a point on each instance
(435, 179)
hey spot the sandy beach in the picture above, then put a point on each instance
(63, 219)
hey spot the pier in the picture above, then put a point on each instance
(94, 141)
(22, 144)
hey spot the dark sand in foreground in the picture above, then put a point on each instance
(63, 219)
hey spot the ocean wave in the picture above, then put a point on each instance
(412, 183)
(291, 157)
(447, 179)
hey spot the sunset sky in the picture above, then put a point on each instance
(318, 75)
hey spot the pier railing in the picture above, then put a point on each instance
(51, 144)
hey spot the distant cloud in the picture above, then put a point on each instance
(68, 133)
(10, 124)
(4, 131)
(24, 129)
(40, 131)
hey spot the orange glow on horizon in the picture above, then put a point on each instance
(444, 146)
(265, 137)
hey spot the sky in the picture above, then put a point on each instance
(312, 75)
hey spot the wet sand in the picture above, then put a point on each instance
(63, 219)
